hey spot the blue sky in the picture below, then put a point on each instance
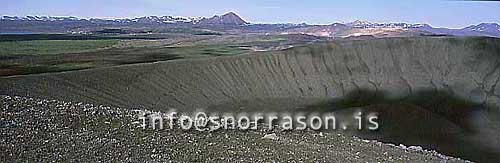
(439, 13)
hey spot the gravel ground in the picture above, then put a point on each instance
(48, 130)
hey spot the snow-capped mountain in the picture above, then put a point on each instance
(232, 23)
(162, 19)
(367, 24)
(226, 19)
(484, 27)
(39, 18)
(359, 24)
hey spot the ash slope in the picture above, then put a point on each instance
(400, 67)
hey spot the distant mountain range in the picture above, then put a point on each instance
(226, 19)
(229, 23)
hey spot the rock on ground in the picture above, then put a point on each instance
(47, 130)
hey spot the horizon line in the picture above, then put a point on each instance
(257, 22)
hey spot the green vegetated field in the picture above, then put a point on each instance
(204, 51)
(42, 47)
(22, 54)
(49, 53)
(40, 56)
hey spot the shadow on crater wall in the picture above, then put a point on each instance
(432, 119)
